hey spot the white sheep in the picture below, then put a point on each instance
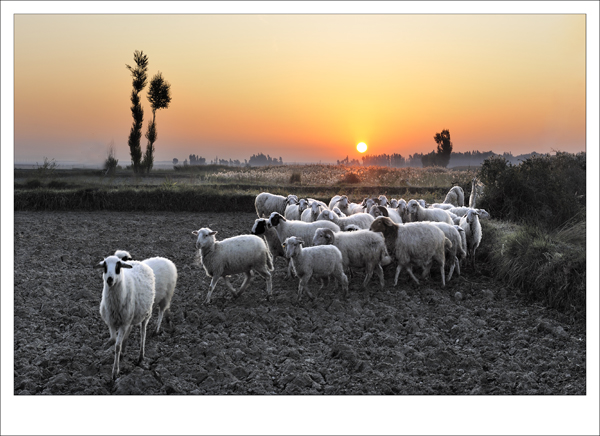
(444, 206)
(360, 249)
(394, 203)
(403, 210)
(383, 201)
(341, 201)
(413, 244)
(236, 255)
(262, 228)
(476, 192)
(266, 203)
(455, 196)
(472, 227)
(393, 214)
(461, 211)
(311, 213)
(305, 231)
(165, 280)
(319, 262)
(338, 212)
(419, 213)
(127, 298)
(456, 251)
(463, 242)
(294, 209)
(362, 220)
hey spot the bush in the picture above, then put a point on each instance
(33, 183)
(296, 177)
(546, 266)
(351, 178)
(543, 190)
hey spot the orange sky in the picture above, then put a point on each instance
(304, 87)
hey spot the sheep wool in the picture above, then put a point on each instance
(236, 255)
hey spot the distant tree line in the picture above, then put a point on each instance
(255, 160)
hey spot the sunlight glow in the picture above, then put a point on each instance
(361, 147)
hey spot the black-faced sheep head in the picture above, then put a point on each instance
(112, 269)
(276, 218)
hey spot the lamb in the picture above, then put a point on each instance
(294, 209)
(321, 261)
(303, 230)
(262, 227)
(360, 249)
(454, 252)
(165, 279)
(377, 211)
(265, 203)
(312, 212)
(127, 298)
(419, 213)
(455, 196)
(362, 220)
(472, 227)
(235, 255)
(413, 244)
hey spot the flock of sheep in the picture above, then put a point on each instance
(316, 240)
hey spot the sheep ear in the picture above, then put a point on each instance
(212, 233)
(195, 232)
(99, 265)
(300, 241)
(126, 265)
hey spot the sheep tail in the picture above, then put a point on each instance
(270, 266)
(447, 243)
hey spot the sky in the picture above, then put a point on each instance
(304, 87)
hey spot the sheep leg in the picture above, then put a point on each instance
(368, 275)
(379, 271)
(245, 283)
(213, 284)
(398, 269)
(113, 337)
(452, 267)
(266, 274)
(457, 265)
(160, 317)
(118, 342)
(143, 326)
(303, 286)
(442, 272)
(230, 286)
(410, 272)
(340, 276)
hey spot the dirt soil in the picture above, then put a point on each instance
(472, 337)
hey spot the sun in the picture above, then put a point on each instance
(361, 147)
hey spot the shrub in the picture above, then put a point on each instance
(546, 266)
(543, 190)
(351, 178)
(296, 177)
(33, 183)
